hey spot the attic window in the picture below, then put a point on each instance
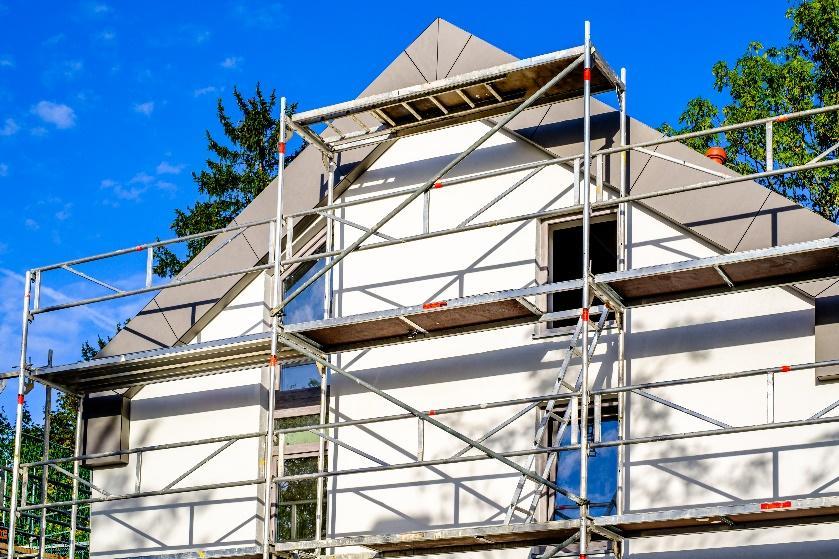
(566, 259)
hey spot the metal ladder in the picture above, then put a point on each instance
(545, 421)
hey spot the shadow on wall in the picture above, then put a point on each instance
(678, 337)
(203, 401)
(170, 516)
(756, 466)
(418, 171)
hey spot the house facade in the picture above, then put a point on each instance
(682, 339)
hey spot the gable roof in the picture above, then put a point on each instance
(751, 217)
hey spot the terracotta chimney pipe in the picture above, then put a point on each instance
(717, 154)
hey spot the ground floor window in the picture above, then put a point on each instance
(297, 502)
(602, 475)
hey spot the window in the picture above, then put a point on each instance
(299, 375)
(827, 335)
(602, 474)
(309, 304)
(297, 502)
(566, 259)
(302, 437)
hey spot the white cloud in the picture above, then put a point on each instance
(200, 36)
(204, 90)
(31, 224)
(6, 61)
(64, 213)
(99, 8)
(122, 192)
(72, 68)
(141, 178)
(107, 35)
(53, 40)
(262, 14)
(10, 128)
(146, 108)
(231, 62)
(4, 170)
(57, 114)
(166, 168)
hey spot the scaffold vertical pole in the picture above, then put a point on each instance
(621, 318)
(276, 323)
(74, 509)
(584, 388)
(324, 372)
(770, 377)
(42, 541)
(21, 386)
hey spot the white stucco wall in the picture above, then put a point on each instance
(184, 410)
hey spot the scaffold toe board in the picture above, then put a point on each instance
(438, 318)
(462, 98)
(753, 269)
(781, 512)
(446, 540)
(159, 365)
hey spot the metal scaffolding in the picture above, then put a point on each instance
(503, 92)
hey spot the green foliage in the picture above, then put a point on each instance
(237, 171)
(59, 487)
(766, 81)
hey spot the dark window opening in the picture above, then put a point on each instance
(567, 261)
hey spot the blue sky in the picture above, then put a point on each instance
(103, 105)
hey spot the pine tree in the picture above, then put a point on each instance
(237, 171)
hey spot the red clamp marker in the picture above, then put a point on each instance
(584, 314)
(782, 118)
(435, 305)
(139, 247)
(281, 147)
(432, 412)
(20, 399)
(272, 360)
(587, 78)
(772, 505)
(785, 368)
(437, 185)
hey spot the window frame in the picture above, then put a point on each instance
(544, 258)
(546, 506)
(290, 404)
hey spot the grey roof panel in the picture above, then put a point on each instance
(451, 41)
(781, 221)
(423, 52)
(477, 54)
(720, 214)
(399, 73)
